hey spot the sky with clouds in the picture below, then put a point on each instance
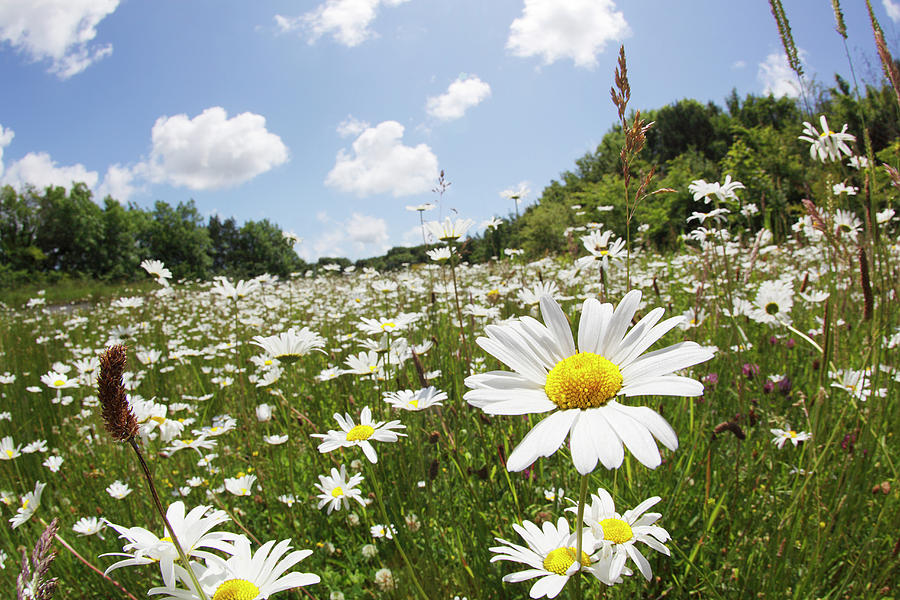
(330, 117)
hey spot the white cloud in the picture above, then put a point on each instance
(351, 127)
(777, 77)
(360, 235)
(6, 136)
(463, 94)
(39, 170)
(738, 64)
(59, 31)
(380, 163)
(117, 183)
(212, 151)
(576, 29)
(892, 9)
(346, 20)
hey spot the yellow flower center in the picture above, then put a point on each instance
(772, 308)
(9, 453)
(59, 383)
(337, 492)
(388, 325)
(159, 420)
(166, 539)
(616, 530)
(360, 432)
(236, 589)
(558, 561)
(792, 433)
(414, 403)
(583, 380)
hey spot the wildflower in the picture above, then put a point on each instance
(532, 295)
(601, 249)
(245, 574)
(439, 254)
(827, 145)
(858, 162)
(196, 443)
(289, 346)
(884, 216)
(89, 526)
(158, 270)
(618, 533)
(228, 290)
(773, 302)
(53, 463)
(35, 446)
(365, 363)
(420, 207)
(7, 450)
(551, 554)
(384, 579)
(415, 400)
(193, 530)
(842, 188)
(784, 435)
(448, 230)
(377, 326)
(369, 551)
(857, 383)
(275, 440)
(579, 388)
(30, 503)
(57, 381)
(847, 224)
(412, 522)
(383, 531)
(118, 490)
(240, 485)
(359, 435)
(725, 191)
(287, 499)
(263, 412)
(337, 490)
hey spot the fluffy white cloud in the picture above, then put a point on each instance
(380, 163)
(117, 183)
(351, 127)
(892, 9)
(346, 20)
(463, 94)
(576, 29)
(39, 170)
(6, 136)
(356, 237)
(59, 31)
(212, 151)
(777, 77)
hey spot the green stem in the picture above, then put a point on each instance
(165, 519)
(579, 527)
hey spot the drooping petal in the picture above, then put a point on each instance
(636, 438)
(544, 439)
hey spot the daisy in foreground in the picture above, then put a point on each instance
(359, 435)
(579, 388)
(245, 575)
(618, 534)
(551, 555)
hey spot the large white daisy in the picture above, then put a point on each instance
(579, 387)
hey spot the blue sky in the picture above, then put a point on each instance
(329, 117)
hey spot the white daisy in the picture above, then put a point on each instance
(415, 400)
(118, 490)
(773, 303)
(784, 435)
(579, 388)
(359, 435)
(337, 490)
(289, 346)
(89, 526)
(242, 485)
(619, 533)
(8, 449)
(244, 575)
(550, 553)
(828, 144)
(30, 503)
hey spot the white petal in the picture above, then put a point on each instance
(636, 438)
(647, 340)
(523, 575)
(665, 361)
(544, 439)
(549, 586)
(556, 321)
(652, 420)
(621, 319)
(607, 444)
(667, 385)
(584, 452)
(505, 345)
(592, 326)
(642, 563)
(635, 335)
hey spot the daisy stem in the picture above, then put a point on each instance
(579, 527)
(168, 525)
(462, 329)
(412, 572)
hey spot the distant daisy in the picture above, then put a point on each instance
(415, 400)
(827, 145)
(242, 485)
(89, 526)
(337, 490)
(785, 435)
(579, 388)
(30, 503)
(289, 346)
(8, 449)
(275, 440)
(53, 463)
(118, 490)
(359, 435)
